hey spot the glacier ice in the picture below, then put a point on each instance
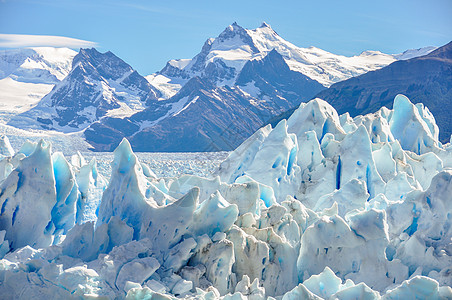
(413, 126)
(6, 149)
(91, 185)
(63, 212)
(27, 198)
(320, 207)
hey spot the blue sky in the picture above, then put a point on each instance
(146, 34)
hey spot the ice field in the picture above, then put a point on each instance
(320, 207)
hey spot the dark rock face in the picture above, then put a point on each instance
(172, 71)
(426, 79)
(97, 83)
(204, 117)
(274, 78)
(106, 65)
(103, 136)
(212, 120)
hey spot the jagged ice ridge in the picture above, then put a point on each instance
(321, 206)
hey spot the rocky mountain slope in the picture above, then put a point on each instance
(206, 117)
(222, 58)
(426, 79)
(99, 84)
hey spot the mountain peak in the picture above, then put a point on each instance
(233, 28)
(84, 55)
(97, 85)
(235, 33)
(105, 64)
(222, 58)
(89, 51)
(412, 53)
(95, 54)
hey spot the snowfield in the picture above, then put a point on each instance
(320, 207)
(27, 75)
(165, 164)
(229, 52)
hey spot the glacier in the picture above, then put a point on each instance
(323, 206)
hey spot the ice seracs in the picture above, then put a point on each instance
(6, 149)
(320, 207)
(413, 126)
(30, 185)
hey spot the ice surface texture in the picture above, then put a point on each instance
(321, 206)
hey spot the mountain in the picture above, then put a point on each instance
(238, 82)
(412, 53)
(222, 58)
(27, 75)
(206, 117)
(426, 79)
(99, 84)
(256, 75)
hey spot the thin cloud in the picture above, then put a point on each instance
(27, 40)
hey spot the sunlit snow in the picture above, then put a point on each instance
(321, 206)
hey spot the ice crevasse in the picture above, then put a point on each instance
(320, 207)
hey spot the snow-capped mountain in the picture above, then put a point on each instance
(27, 75)
(205, 117)
(99, 84)
(222, 58)
(238, 82)
(38, 65)
(412, 53)
(426, 79)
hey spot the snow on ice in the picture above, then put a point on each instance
(320, 207)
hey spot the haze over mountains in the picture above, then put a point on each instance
(238, 81)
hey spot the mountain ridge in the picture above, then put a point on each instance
(204, 117)
(251, 75)
(226, 54)
(426, 79)
(98, 84)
